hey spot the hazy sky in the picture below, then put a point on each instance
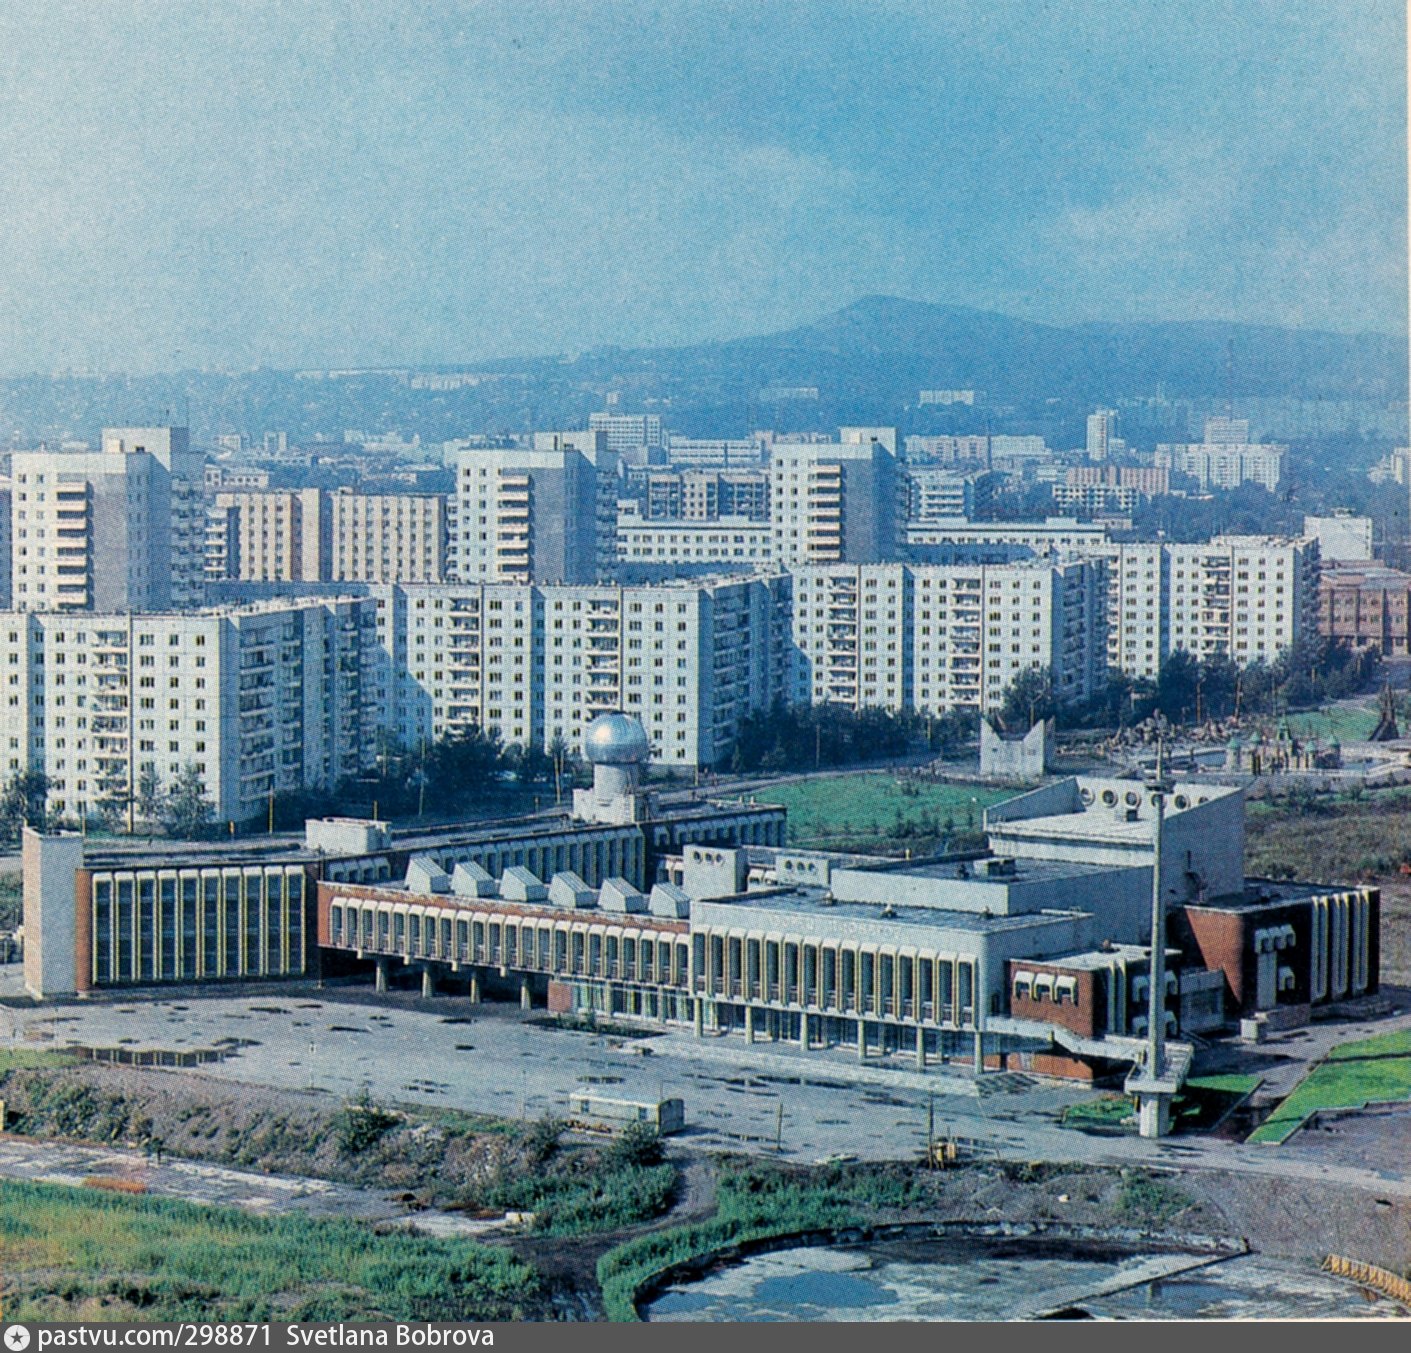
(366, 182)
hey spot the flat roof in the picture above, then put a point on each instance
(818, 902)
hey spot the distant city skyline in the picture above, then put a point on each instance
(364, 185)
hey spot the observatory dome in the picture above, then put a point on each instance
(616, 739)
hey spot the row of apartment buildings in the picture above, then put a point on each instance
(281, 695)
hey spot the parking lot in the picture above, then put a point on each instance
(493, 1059)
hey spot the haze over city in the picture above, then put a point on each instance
(707, 663)
(329, 184)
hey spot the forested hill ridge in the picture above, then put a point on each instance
(865, 363)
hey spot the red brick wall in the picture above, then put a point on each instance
(1219, 939)
(1087, 1016)
(83, 929)
(560, 998)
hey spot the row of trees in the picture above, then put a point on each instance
(181, 809)
(1193, 690)
(802, 737)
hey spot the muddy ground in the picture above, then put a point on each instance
(296, 1133)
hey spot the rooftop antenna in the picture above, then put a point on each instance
(1230, 377)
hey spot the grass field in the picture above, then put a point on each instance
(1341, 839)
(1352, 1075)
(67, 1252)
(1346, 723)
(876, 807)
(1203, 1102)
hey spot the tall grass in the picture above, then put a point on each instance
(754, 1202)
(173, 1260)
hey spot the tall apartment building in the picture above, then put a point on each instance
(312, 535)
(1102, 431)
(387, 537)
(1367, 606)
(1226, 458)
(123, 528)
(835, 502)
(931, 638)
(270, 535)
(541, 514)
(934, 494)
(261, 699)
(6, 547)
(536, 663)
(1243, 597)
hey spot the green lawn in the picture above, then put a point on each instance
(1203, 1102)
(1353, 1074)
(878, 806)
(155, 1259)
(32, 1059)
(1344, 722)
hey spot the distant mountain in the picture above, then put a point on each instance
(884, 344)
(867, 361)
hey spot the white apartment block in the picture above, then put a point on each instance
(932, 638)
(836, 502)
(261, 699)
(1226, 465)
(536, 663)
(387, 537)
(269, 535)
(727, 543)
(541, 514)
(627, 431)
(1247, 598)
(311, 535)
(121, 528)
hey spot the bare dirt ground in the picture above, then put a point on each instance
(293, 1132)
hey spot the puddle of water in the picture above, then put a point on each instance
(998, 1279)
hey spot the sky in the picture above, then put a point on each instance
(357, 183)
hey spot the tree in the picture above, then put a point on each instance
(149, 794)
(1030, 698)
(24, 803)
(187, 809)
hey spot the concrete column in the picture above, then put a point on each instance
(861, 1039)
(749, 1024)
(698, 1017)
(474, 987)
(1153, 1115)
(379, 980)
(428, 983)
(979, 1053)
(920, 1048)
(803, 1031)
(525, 1002)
